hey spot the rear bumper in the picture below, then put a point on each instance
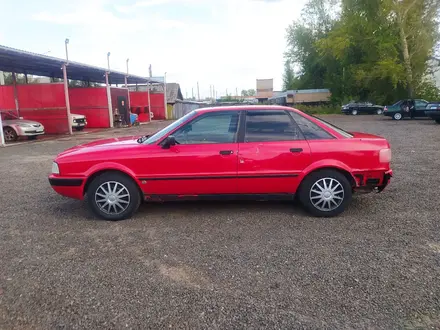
(374, 181)
(68, 187)
(434, 114)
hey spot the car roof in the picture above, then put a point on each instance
(246, 107)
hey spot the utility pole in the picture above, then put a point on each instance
(236, 92)
(198, 92)
(66, 42)
(192, 92)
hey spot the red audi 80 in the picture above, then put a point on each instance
(241, 152)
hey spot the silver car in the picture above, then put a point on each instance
(15, 128)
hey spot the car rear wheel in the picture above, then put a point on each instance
(32, 137)
(10, 134)
(325, 193)
(397, 116)
(354, 112)
(79, 128)
(437, 121)
(113, 196)
(379, 111)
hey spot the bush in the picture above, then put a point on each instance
(319, 109)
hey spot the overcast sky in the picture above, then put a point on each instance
(226, 43)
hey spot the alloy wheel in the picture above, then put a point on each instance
(9, 134)
(112, 197)
(379, 111)
(327, 194)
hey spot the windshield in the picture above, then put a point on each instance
(337, 129)
(157, 136)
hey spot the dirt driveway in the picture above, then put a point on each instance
(224, 265)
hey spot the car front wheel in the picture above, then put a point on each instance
(437, 121)
(325, 193)
(354, 112)
(113, 196)
(397, 116)
(10, 134)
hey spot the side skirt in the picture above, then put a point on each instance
(220, 197)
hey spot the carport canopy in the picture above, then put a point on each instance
(19, 61)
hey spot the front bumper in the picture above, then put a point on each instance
(79, 124)
(68, 187)
(31, 131)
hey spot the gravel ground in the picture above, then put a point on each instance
(224, 265)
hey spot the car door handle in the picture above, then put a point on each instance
(296, 150)
(226, 152)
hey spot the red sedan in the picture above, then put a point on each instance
(258, 152)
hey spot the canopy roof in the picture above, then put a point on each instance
(19, 61)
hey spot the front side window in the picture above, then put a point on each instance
(267, 126)
(310, 130)
(157, 136)
(215, 127)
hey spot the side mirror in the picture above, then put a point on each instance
(168, 142)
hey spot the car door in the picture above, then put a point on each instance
(272, 153)
(204, 160)
(420, 108)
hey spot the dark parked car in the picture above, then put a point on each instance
(402, 109)
(356, 108)
(433, 111)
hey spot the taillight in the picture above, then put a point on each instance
(385, 156)
(385, 109)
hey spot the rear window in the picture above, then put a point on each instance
(335, 128)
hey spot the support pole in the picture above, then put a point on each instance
(14, 83)
(2, 137)
(165, 95)
(149, 100)
(109, 100)
(66, 95)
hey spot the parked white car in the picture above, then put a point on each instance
(78, 122)
(15, 128)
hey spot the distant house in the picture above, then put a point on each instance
(174, 93)
(264, 89)
(301, 96)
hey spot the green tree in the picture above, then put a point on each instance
(244, 92)
(251, 92)
(289, 80)
(383, 46)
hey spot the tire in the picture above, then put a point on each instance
(397, 116)
(32, 137)
(129, 199)
(10, 134)
(79, 128)
(312, 201)
(354, 112)
(437, 121)
(379, 111)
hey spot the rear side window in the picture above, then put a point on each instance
(310, 130)
(267, 126)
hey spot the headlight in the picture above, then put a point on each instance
(55, 168)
